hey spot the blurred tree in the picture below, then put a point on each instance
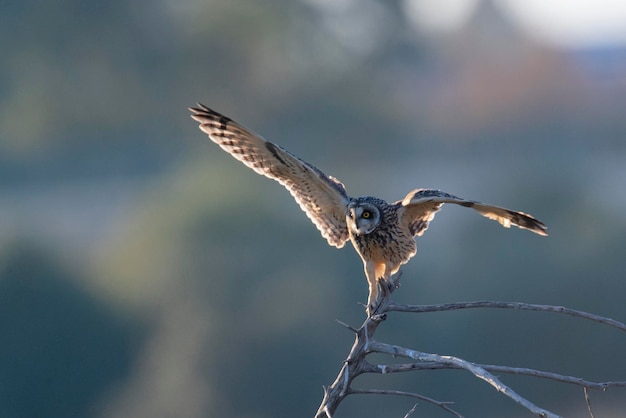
(61, 348)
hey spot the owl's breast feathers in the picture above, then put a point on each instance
(390, 243)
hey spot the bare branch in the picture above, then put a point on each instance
(463, 364)
(351, 328)
(588, 402)
(407, 367)
(554, 376)
(411, 411)
(505, 305)
(365, 344)
(443, 405)
(351, 368)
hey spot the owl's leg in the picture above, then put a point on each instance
(372, 272)
(388, 276)
(378, 274)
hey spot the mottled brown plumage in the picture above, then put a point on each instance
(383, 234)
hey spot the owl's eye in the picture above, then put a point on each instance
(366, 214)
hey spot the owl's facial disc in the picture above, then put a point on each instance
(362, 218)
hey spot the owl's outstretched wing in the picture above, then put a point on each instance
(420, 205)
(323, 198)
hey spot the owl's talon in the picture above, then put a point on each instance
(372, 309)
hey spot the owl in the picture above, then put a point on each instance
(383, 234)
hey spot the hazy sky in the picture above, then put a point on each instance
(566, 23)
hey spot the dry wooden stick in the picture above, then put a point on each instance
(364, 344)
(505, 305)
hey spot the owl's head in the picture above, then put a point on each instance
(363, 216)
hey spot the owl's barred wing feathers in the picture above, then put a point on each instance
(419, 208)
(321, 197)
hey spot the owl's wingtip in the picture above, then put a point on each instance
(199, 108)
(539, 228)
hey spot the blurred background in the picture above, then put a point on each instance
(146, 273)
